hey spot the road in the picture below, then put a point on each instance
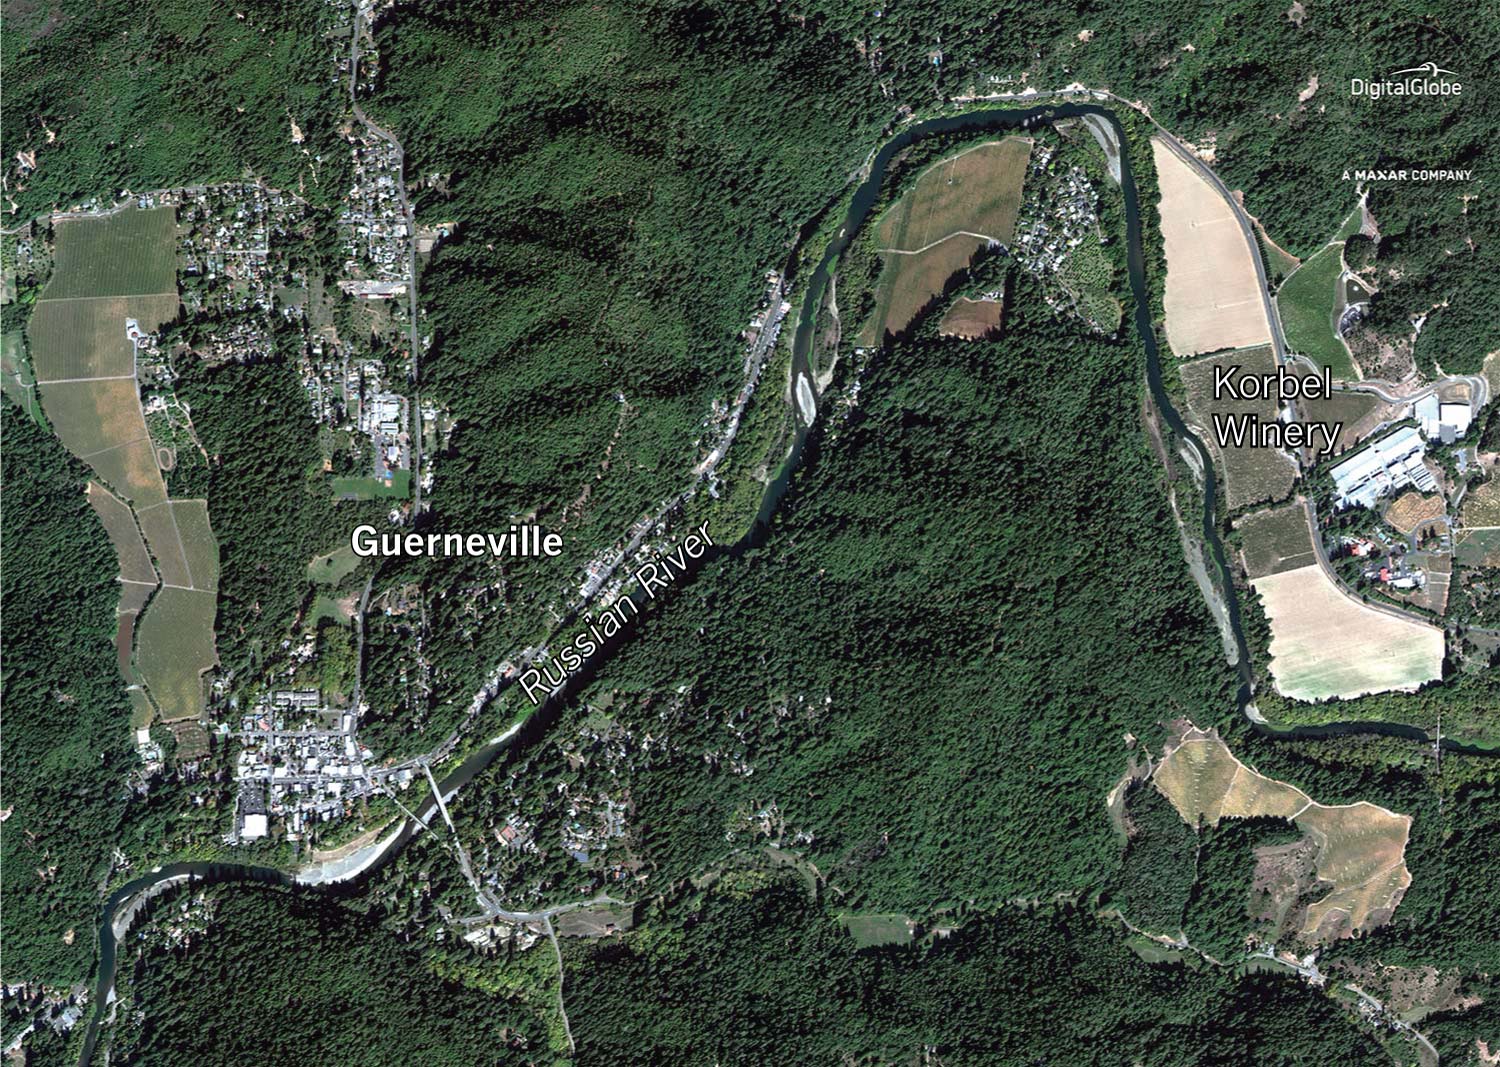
(1322, 554)
(414, 338)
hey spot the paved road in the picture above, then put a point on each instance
(411, 237)
(1322, 554)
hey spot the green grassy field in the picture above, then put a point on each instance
(125, 254)
(174, 646)
(372, 488)
(16, 377)
(1305, 302)
(870, 931)
(333, 568)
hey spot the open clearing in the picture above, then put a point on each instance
(333, 568)
(101, 423)
(124, 254)
(1411, 509)
(1213, 299)
(1482, 505)
(1306, 302)
(1324, 644)
(1360, 848)
(175, 646)
(870, 931)
(1251, 474)
(1275, 540)
(955, 209)
(601, 920)
(162, 534)
(972, 320)
(1360, 414)
(198, 542)
(119, 524)
(1477, 548)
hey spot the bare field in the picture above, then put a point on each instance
(124, 254)
(1213, 298)
(1251, 474)
(119, 524)
(972, 320)
(1359, 848)
(175, 646)
(1411, 509)
(1275, 540)
(1324, 644)
(976, 191)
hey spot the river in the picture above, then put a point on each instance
(860, 205)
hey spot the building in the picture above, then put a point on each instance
(1442, 421)
(1391, 463)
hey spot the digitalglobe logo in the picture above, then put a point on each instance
(1429, 79)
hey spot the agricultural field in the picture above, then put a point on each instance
(1305, 303)
(128, 253)
(976, 191)
(101, 423)
(1275, 540)
(1213, 298)
(119, 524)
(1251, 474)
(972, 320)
(159, 525)
(1087, 275)
(871, 931)
(956, 207)
(174, 646)
(85, 338)
(1358, 849)
(1325, 644)
(1411, 509)
(1360, 414)
(1481, 506)
(198, 542)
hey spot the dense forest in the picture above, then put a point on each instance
(67, 750)
(309, 982)
(753, 974)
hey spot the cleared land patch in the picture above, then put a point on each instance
(1306, 302)
(1251, 474)
(1213, 298)
(1325, 644)
(1360, 413)
(870, 931)
(1359, 848)
(175, 646)
(1481, 507)
(1275, 540)
(198, 542)
(333, 568)
(86, 338)
(127, 253)
(956, 208)
(972, 320)
(119, 524)
(1411, 509)
(101, 423)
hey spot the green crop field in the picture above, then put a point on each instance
(174, 646)
(1305, 302)
(167, 544)
(125, 254)
(1251, 474)
(86, 338)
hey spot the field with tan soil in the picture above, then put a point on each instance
(1213, 299)
(1359, 849)
(1325, 644)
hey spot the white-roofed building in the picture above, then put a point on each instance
(1391, 463)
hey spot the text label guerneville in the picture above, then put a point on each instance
(519, 541)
